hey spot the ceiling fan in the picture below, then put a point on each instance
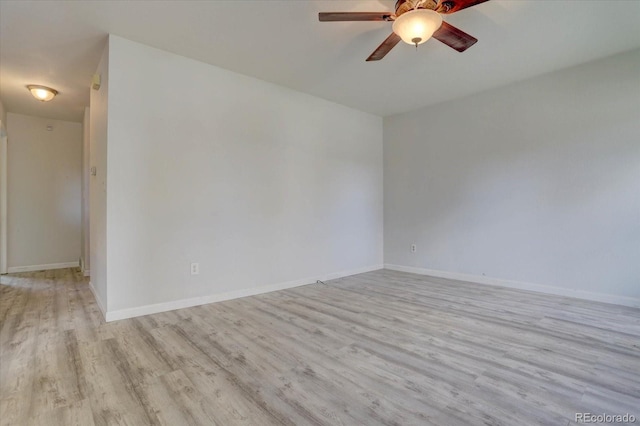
(414, 22)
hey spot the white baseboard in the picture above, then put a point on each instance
(98, 300)
(31, 268)
(86, 273)
(538, 288)
(219, 297)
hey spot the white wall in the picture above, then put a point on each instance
(537, 182)
(44, 175)
(97, 184)
(259, 184)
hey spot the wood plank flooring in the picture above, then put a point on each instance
(384, 347)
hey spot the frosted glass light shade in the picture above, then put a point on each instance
(417, 26)
(42, 93)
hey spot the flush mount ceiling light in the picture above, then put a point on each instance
(417, 26)
(42, 93)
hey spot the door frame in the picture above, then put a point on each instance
(3, 197)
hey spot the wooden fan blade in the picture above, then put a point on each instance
(454, 38)
(451, 6)
(384, 48)
(354, 16)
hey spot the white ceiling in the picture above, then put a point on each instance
(58, 44)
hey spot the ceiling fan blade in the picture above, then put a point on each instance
(454, 38)
(451, 6)
(384, 48)
(354, 16)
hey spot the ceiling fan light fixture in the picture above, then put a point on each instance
(417, 26)
(42, 93)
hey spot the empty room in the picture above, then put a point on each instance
(282, 212)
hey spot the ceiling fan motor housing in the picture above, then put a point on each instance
(403, 6)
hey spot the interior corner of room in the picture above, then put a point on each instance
(176, 162)
(233, 213)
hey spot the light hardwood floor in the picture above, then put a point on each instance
(377, 348)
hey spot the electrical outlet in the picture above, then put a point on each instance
(195, 268)
(414, 248)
